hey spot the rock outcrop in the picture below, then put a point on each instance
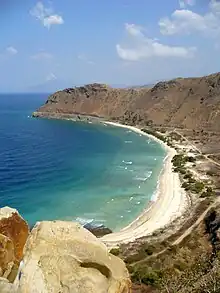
(66, 258)
(13, 235)
(191, 103)
(98, 231)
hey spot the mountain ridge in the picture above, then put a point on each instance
(192, 103)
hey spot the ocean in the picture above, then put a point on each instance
(54, 169)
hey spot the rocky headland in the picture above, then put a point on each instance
(191, 103)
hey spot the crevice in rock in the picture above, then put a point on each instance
(101, 268)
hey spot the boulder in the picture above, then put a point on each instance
(66, 258)
(13, 235)
(98, 231)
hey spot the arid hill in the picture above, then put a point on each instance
(192, 103)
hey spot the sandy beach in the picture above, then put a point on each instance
(169, 203)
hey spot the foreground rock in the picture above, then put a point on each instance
(6, 287)
(13, 235)
(66, 258)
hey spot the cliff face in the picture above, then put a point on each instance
(192, 103)
(14, 232)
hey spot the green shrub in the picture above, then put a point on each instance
(191, 159)
(149, 122)
(115, 251)
(130, 269)
(180, 170)
(208, 193)
(152, 278)
(203, 194)
(186, 186)
(149, 250)
(198, 187)
(191, 180)
(175, 136)
(209, 189)
(178, 160)
(188, 175)
(146, 276)
(154, 133)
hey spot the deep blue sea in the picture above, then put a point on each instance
(53, 169)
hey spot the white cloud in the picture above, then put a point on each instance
(134, 30)
(53, 19)
(143, 47)
(51, 76)
(215, 7)
(183, 3)
(11, 50)
(42, 56)
(84, 58)
(46, 15)
(190, 2)
(185, 21)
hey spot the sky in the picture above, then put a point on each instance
(47, 45)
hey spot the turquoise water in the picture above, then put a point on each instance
(53, 169)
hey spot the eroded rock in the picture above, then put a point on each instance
(7, 256)
(13, 235)
(66, 258)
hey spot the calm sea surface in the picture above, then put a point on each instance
(51, 169)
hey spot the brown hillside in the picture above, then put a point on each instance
(192, 103)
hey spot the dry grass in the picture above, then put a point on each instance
(182, 268)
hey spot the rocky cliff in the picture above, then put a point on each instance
(14, 232)
(192, 103)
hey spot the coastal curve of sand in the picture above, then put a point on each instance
(169, 203)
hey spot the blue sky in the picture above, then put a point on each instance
(120, 42)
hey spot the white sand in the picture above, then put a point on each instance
(170, 202)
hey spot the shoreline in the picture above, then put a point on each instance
(167, 203)
(170, 201)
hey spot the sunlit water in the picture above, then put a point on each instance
(53, 169)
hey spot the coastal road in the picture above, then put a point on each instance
(211, 160)
(197, 149)
(189, 142)
(198, 221)
(184, 235)
(183, 129)
(188, 231)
